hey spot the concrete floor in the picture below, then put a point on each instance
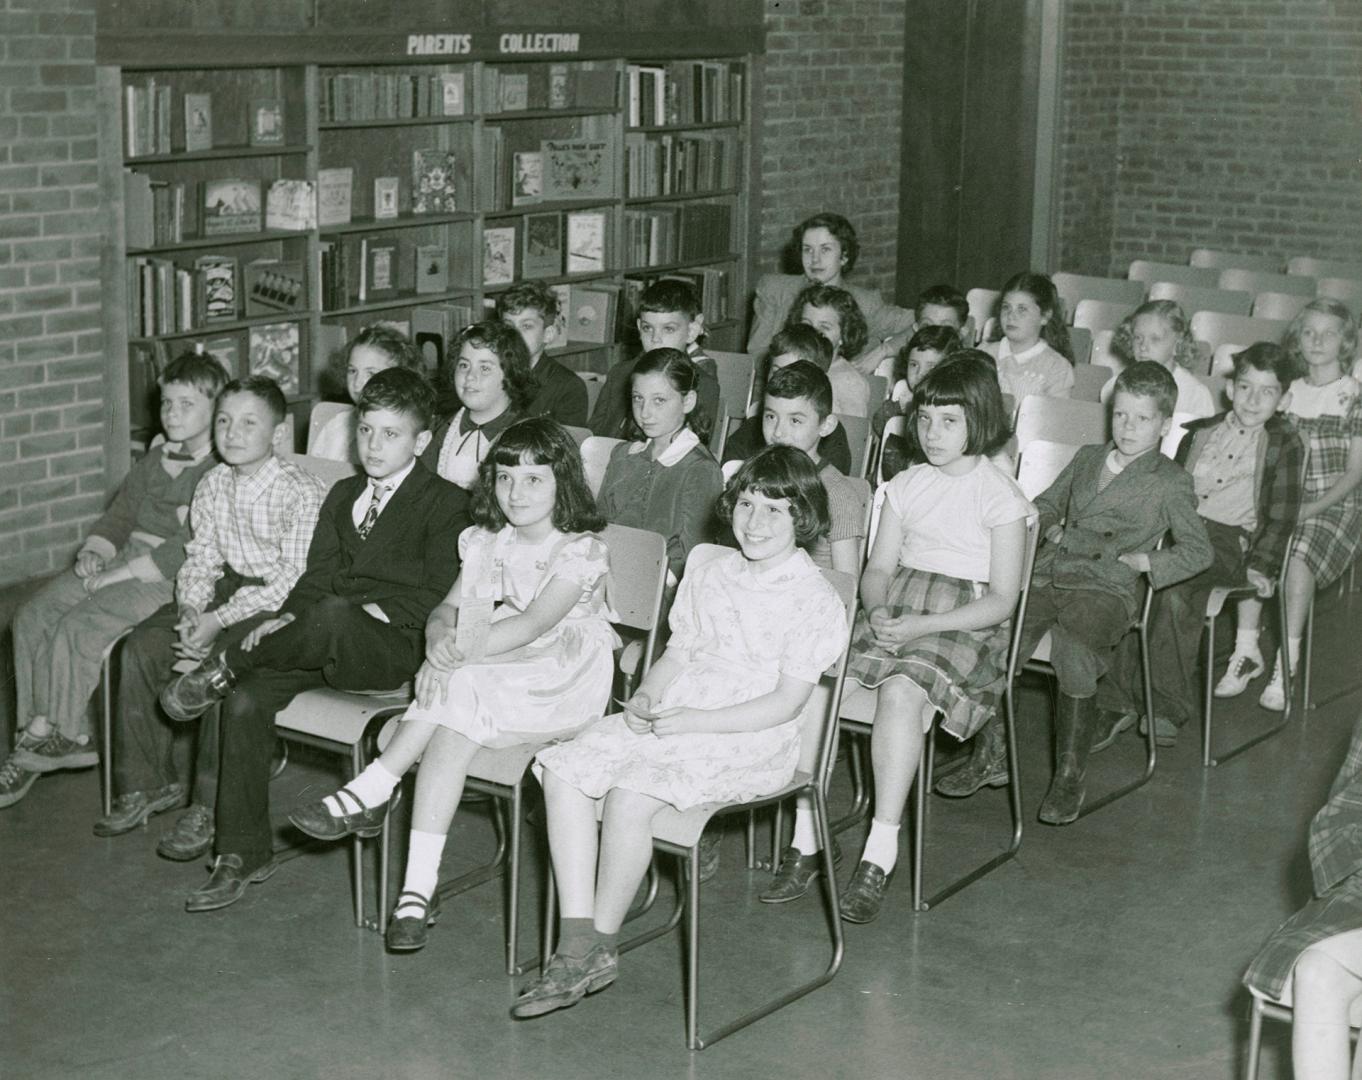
(1109, 948)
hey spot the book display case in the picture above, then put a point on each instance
(265, 200)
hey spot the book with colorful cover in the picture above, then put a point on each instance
(334, 187)
(274, 353)
(498, 256)
(198, 122)
(217, 288)
(274, 285)
(434, 176)
(385, 197)
(578, 169)
(267, 121)
(231, 207)
(527, 177)
(591, 316)
(432, 268)
(452, 93)
(543, 244)
(380, 270)
(586, 242)
(291, 205)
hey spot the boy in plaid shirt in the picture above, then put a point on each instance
(252, 520)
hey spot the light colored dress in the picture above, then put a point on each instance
(739, 630)
(336, 440)
(557, 683)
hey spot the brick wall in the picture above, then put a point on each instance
(51, 397)
(1239, 129)
(830, 135)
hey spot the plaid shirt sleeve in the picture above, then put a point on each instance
(1282, 502)
(1336, 831)
(287, 516)
(203, 554)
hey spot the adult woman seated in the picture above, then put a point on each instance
(828, 248)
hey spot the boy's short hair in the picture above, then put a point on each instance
(943, 296)
(842, 231)
(262, 387)
(528, 296)
(974, 356)
(782, 472)
(802, 380)
(670, 294)
(849, 315)
(804, 342)
(388, 340)
(399, 390)
(1145, 378)
(1266, 356)
(962, 379)
(201, 370)
(941, 339)
(505, 343)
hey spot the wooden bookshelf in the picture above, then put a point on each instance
(399, 91)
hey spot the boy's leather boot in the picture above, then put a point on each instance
(1073, 735)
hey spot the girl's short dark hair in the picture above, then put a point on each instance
(842, 231)
(538, 441)
(1054, 332)
(505, 343)
(942, 339)
(849, 315)
(782, 472)
(965, 380)
(684, 378)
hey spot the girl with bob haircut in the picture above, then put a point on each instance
(937, 598)
(834, 314)
(1033, 351)
(715, 719)
(538, 665)
(666, 479)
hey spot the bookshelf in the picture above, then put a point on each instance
(439, 181)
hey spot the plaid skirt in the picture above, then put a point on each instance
(961, 671)
(1328, 542)
(1336, 912)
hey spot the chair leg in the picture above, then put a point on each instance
(693, 951)
(357, 845)
(860, 790)
(384, 848)
(1308, 652)
(1208, 695)
(924, 785)
(513, 896)
(1255, 1039)
(106, 731)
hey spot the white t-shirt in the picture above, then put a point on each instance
(948, 520)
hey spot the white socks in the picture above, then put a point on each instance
(882, 845)
(423, 869)
(371, 787)
(1246, 644)
(805, 839)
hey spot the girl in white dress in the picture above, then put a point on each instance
(545, 669)
(715, 719)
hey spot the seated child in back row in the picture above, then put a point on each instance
(1033, 353)
(928, 346)
(532, 309)
(1100, 521)
(669, 317)
(375, 348)
(789, 345)
(1246, 470)
(833, 312)
(717, 718)
(1160, 331)
(124, 571)
(1326, 405)
(252, 520)
(489, 375)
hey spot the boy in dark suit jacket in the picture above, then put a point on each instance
(1100, 522)
(383, 555)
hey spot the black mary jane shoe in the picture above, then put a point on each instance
(320, 824)
(411, 932)
(795, 874)
(865, 893)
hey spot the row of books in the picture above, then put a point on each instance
(369, 268)
(166, 298)
(156, 212)
(679, 164)
(659, 235)
(147, 117)
(383, 94)
(685, 92)
(588, 85)
(711, 284)
(519, 168)
(546, 245)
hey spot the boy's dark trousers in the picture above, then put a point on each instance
(333, 643)
(1085, 625)
(1175, 623)
(144, 741)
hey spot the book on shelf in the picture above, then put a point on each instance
(515, 92)
(334, 194)
(146, 118)
(432, 268)
(386, 190)
(498, 255)
(434, 175)
(434, 328)
(591, 314)
(274, 285)
(146, 361)
(676, 164)
(543, 245)
(231, 207)
(578, 85)
(138, 210)
(527, 177)
(563, 293)
(452, 93)
(267, 121)
(378, 269)
(492, 185)
(291, 205)
(578, 169)
(560, 86)
(198, 122)
(684, 92)
(226, 350)
(658, 235)
(274, 352)
(387, 94)
(586, 241)
(217, 288)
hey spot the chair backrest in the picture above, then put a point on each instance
(594, 382)
(1347, 290)
(730, 468)
(1089, 380)
(1101, 351)
(876, 505)
(1080, 343)
(1041, 463)
(327, 470)
(1216, 328)
(1222, 361)
(1097, 315)
(596, 451)
(1279, 305)
(1060, 420)
(736, 375)
(1169, 446)
(1075, 287)
(638, 579)
(981, 304)
(579, 434)
(1223, 260)
(1257, 281)
(322, 414)
(879, 390)
(718, 437)
(859, 440)
(1322, 268)
(895, 425)
(1201, 276)
(1216, 385)
(1194, 298)
(1019, 616)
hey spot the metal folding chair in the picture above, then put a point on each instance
(1273, 1009)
